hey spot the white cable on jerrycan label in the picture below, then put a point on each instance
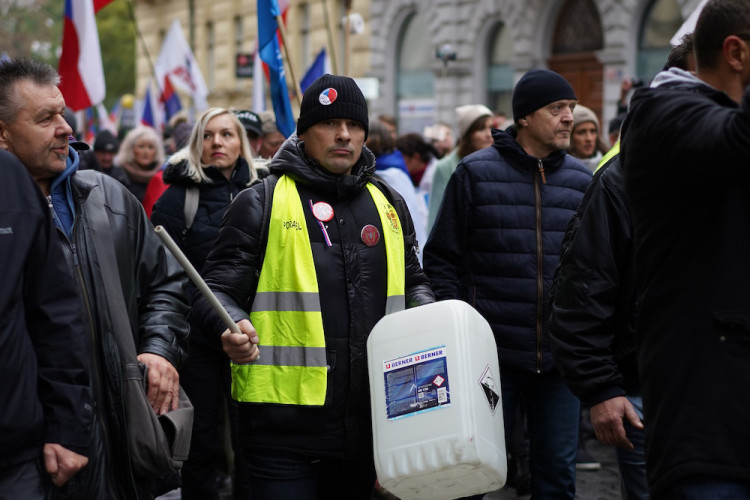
(436, 403)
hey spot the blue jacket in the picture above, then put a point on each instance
(496, 242)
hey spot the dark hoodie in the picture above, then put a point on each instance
(685, 151)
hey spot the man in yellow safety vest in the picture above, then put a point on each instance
(307, 262)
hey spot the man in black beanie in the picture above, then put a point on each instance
(306, 263)
(495, 244)
(103, 156)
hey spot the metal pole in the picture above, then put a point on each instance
(331, 47)
(196, 278)
(282, 31)
(139, 35)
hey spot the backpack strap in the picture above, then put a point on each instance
(269, 184)
(192, 197)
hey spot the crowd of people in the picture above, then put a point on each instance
(610, 269)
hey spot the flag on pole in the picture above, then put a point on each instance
(115, 115)
(689, 25)
(100, 4)
(270, 53)
(318, 68)
(149, 117)
(80, 66)
(105, 123)
(176, 61)
(90, 127)
(259, 91)
(169, 99)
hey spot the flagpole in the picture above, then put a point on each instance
(282, 31)
(144, 46)
(329, 32)
(347, 35)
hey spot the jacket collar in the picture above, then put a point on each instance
(514, 154)
(291, 160)
(61, 195)
(179, 174)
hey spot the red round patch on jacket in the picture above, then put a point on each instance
(370, 235)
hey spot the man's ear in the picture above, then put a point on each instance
(736, 53)
(4, 144)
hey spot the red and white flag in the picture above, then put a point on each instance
(80, 66)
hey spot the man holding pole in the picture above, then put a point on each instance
(316, 254)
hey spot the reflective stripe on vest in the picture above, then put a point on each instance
(286, 312)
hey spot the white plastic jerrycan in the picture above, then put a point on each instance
(436, 403)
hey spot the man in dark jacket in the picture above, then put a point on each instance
(592, 322)
(594, 310)
(44, 394)
(685, 150)
(32, 127)
(317, 262)
(495, 245)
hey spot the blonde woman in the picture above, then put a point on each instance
(215, 166)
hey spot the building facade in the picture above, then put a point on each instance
(418, 59)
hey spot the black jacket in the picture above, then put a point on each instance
(215, 197)
(154, 290)
(686, 149)
(44, 369)
(196, 242)
(351, 280)
(593, 297)
(496, 242)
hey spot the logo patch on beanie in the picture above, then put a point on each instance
(327, 97)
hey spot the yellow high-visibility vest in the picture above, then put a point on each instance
(286, 312)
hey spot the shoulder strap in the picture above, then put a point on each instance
(269, 184)
(105, 252)
(192, 196)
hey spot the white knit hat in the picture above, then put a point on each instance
(468, 114)
(582, 114)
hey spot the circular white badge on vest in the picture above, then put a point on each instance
(322, 211)
(327, 97)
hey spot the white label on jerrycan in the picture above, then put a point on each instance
(416, 383)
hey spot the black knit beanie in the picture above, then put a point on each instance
(537, 88)
(332, 96)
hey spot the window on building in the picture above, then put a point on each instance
(304, 36)
(415, 79)
(500, 71)
(239, 42)
(578, 29)
(660, 23)
(211, 55)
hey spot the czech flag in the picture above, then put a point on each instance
(80, 65)
(170, 99)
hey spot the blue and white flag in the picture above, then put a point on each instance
(270, 53)
(318, 68)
